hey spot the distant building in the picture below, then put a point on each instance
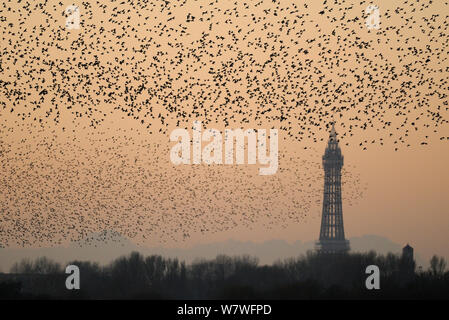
(408, 265)
(407, 253)
(332, 233)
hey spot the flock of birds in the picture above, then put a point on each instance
(85, 114)
(122, 181)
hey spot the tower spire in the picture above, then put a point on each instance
(332, 234)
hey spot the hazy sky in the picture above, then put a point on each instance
(85, 119)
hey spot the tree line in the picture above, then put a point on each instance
(309, 276)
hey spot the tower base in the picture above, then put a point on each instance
(332, 246)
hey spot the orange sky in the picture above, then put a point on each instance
(59, 185)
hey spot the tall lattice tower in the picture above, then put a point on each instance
(332, 233)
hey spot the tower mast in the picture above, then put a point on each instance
(332, 233)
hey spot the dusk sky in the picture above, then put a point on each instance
(86, 115)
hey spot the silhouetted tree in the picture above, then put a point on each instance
(437, 266)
